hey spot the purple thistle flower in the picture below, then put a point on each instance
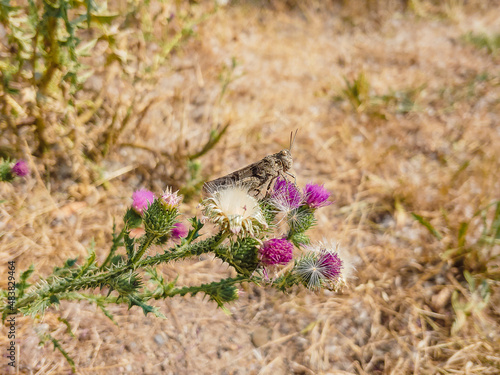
(21, 168)
(141, 200)
(179, 231)
(331, 264)
(316, 196)
(286, 194)
(276, 251)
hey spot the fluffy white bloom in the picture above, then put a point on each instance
(234, 210)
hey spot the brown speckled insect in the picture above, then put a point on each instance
(259, 176)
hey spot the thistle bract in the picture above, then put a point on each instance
(301, 219)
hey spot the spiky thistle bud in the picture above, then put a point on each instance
(159, 219)
(241, 254)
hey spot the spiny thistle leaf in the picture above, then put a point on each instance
(54, 300)
(194, 233)
(59, 347)
(132, 219)
(89, 264)
(136, 301)
(22, 285)
(68, 326)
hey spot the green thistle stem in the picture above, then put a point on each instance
(205, 287)
(105, 278)
(149, 239)
(114, 247)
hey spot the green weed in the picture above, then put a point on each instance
(483, 41)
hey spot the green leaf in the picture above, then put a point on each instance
(83, 76)
(86, 48)
(193, 234)
(428, 225)
(470, 281)
(495, 224)
(22, 285)
(58, 346)
(68, 326)
(70, 262)
(136, 301)
(89, 263)
(462, 231)
(104, 19)
(54, 300)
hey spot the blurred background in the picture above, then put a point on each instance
(397, 106)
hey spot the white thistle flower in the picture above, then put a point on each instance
(234, 210)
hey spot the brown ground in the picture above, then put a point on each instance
(438, 157)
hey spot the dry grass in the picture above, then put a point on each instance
(439, 158)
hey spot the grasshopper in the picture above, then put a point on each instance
(259, 176)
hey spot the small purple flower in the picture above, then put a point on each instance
(331, 264)
(179, 231)
(141, 200)
(276, 251)
(21, 168)
(316, 196)
(286, 194)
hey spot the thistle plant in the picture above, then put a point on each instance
(264, 241)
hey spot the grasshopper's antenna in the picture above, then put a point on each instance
(292, 139)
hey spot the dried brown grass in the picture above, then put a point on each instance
(397, 316)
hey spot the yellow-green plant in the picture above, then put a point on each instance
(476, 259)
(54, 47)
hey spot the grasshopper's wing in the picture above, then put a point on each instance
(252, 176)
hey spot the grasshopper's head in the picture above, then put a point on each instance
(285, 157)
